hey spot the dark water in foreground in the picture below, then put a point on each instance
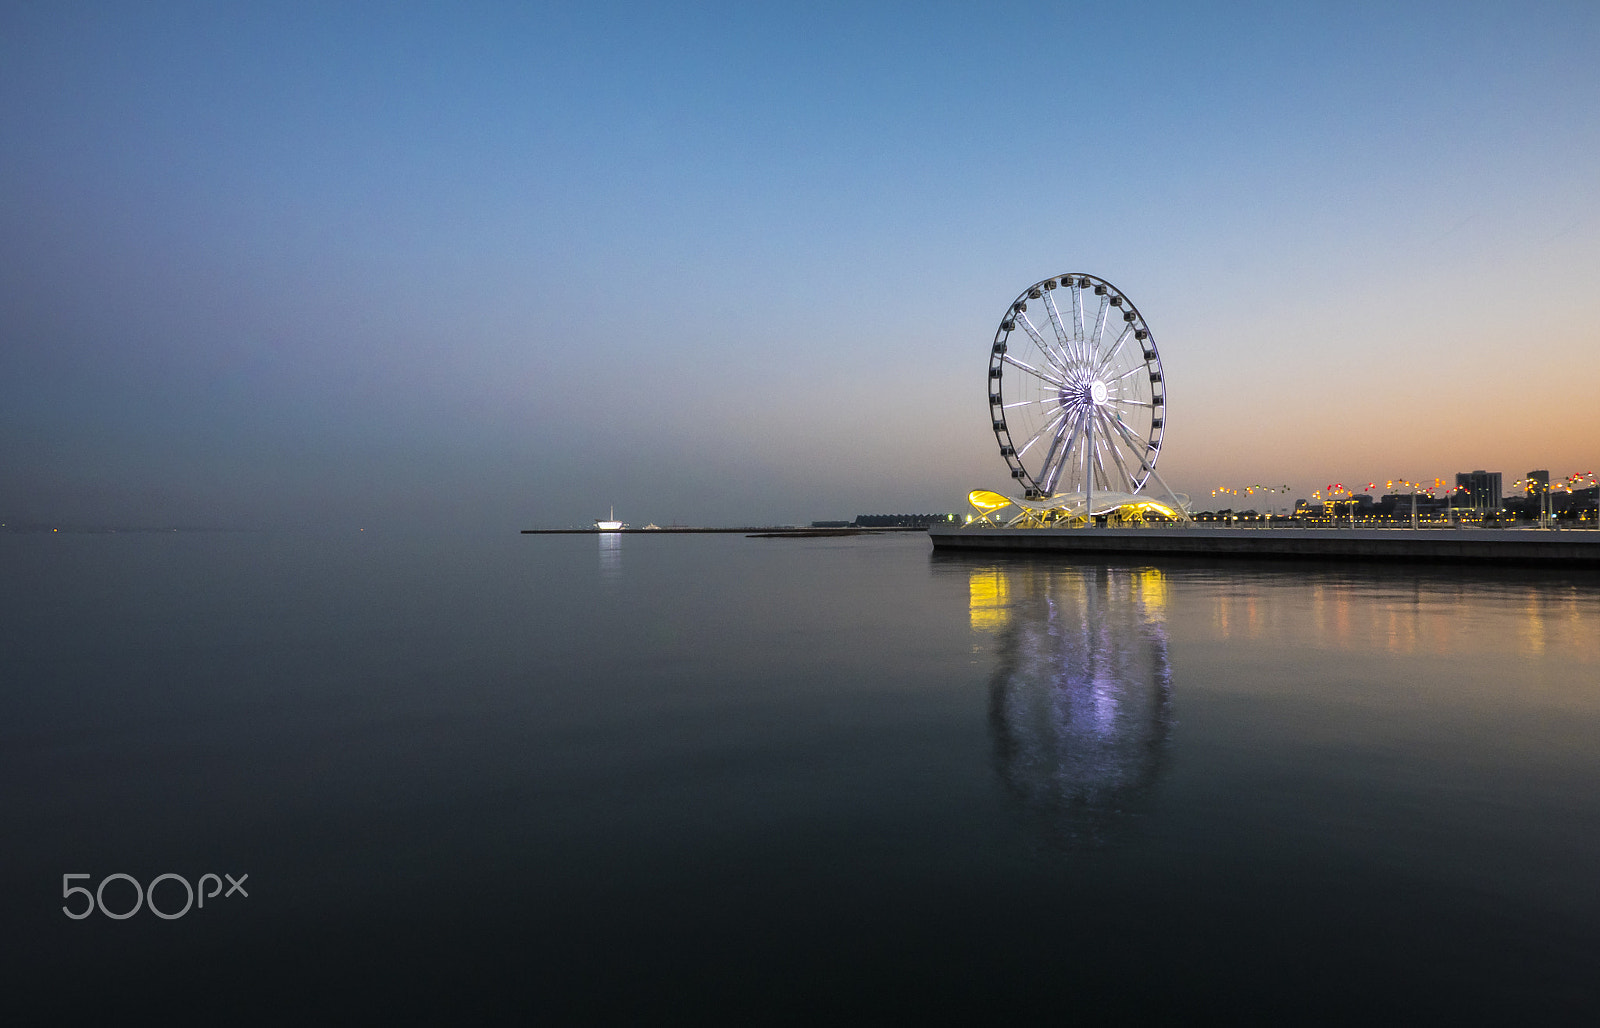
(709, 775)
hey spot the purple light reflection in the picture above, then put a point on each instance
(1079, 702)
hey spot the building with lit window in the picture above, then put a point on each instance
(1481, 489)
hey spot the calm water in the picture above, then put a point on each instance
(680, 775)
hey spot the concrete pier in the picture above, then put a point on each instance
(1572, 548)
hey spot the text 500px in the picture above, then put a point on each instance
(195, 895)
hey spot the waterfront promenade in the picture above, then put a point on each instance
(1567, 548)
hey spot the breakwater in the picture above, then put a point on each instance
(1572, 548)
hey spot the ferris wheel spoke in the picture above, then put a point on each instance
(1117, 417)
(1116, 454)
(1059, 415)
(1050, 354)
(1077, 312)
(1137, 445)
(1101, 445)
(1072, 458)
(1100, 466)
(1100, 325)
(1063, 343)
(1024, 403)
(1050, 470)
(1030, 369)
(1140, 449)
(1064, 430)
(1131, 371)
(1130, 462)
(1050, 456)
(1104, 360)
(1052, 474)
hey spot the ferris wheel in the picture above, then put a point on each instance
(1075, 390)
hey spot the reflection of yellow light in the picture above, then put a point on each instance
(1533, 632)
(986, 501)
(989, 594)
(1153, 588)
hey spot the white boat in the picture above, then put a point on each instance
(611, 525)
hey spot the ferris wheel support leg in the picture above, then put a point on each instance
(1088, 478)
(1183, 508)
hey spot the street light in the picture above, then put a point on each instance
(1274, 493)
(1350, 498)
(1546, 501)
(1589, 476)
(1450, 499)
(1413, 486)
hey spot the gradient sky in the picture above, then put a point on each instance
(504, 265)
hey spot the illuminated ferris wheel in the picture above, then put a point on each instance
(1075, 390)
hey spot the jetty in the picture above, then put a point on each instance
(1563, 548)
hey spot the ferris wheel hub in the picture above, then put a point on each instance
(1092, 393)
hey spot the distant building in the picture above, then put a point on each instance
(1535, 496)
(1579, 504)
(1399, 504)
(904, 520)
(1480, 488)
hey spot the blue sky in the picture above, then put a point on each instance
(507, 265)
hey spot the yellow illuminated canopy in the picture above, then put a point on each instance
(1105, 503)
(1152, 505)
(986, 501)
(1070, 507)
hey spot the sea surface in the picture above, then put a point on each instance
(575, 779)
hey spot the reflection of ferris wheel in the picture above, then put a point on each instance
(1080, 701)
(1075, 389)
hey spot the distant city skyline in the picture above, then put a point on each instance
(498, 266)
